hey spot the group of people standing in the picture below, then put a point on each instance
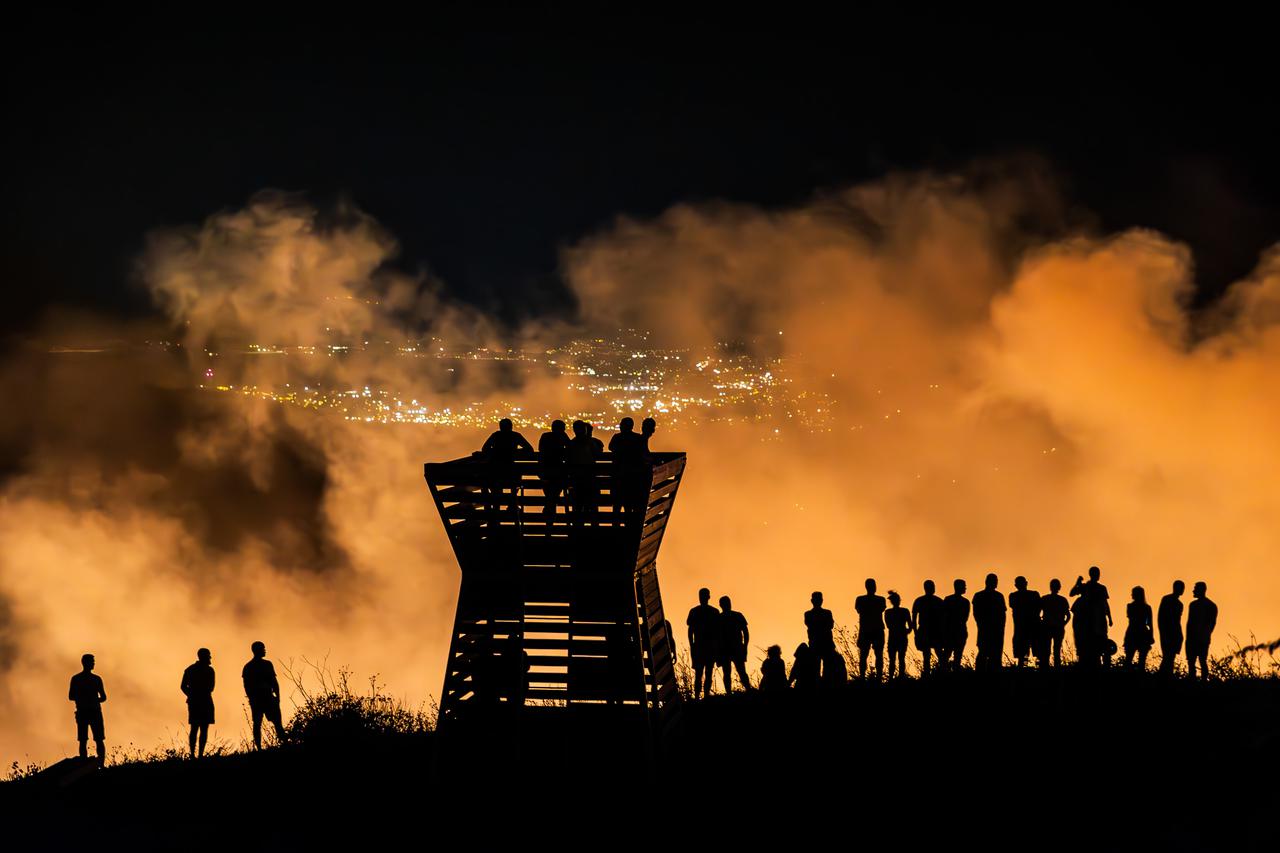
(941, 629)
(261, 687)
(566, 472)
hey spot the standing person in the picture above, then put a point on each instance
(732, 647)
(773, 672)
(927, 621)
(1024, 604)
(553, 459)
(1169, 621)
(647, 428)
(1202, 618)
(804, 669)
(583, 453)
(898, 620)
(263, 690)
(1137, 636)
(870, 608)
(197, 686)
(500, 450)
(88, 693)
(819, 624)
(1055, 614)
(989, 612)
(1092, 619)
(627, 448)
(956, 620)
(704, 632)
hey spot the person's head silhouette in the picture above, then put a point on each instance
(802, 650)
(816, 598)
(725, 604)
(992, 580)
(774, 652)
(1139, 594)
(959, 586)
(1199, 589)
(1179, 587)
(871, 586)
(589, 429)
(894, 598)
(648, 426)
(704, 595)
(1055, 585)
(505, 425)
(203, 655)
(557, 426)
(626, 425)
(1020, 582)
(929, 588)
(1094, 573)
(579, 428)
(259, 649)
(86, 660)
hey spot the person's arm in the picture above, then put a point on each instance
(71, 691)
(1079, 585)
(1107, 605)
(213, 678)
(746, 634)
(275, 682)
(522, 443)
(185, 686)
(102, 690)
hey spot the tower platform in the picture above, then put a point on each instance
(559, 605)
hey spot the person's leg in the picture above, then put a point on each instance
(879, 652)
(727, 673)
(84, 747)
(278, 722)
(257, 726)
(742, 674)
(1142, 660)
(191, 739)
(862, 660)
(204, 737)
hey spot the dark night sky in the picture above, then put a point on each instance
(486, 153)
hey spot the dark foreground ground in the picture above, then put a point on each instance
(1020, 761)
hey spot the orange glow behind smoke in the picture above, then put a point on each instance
(1002, 406)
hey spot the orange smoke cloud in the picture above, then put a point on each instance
(1001, 403)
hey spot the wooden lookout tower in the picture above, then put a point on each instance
(559, 605)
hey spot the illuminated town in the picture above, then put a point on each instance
(610, 378)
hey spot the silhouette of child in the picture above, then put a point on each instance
(804, 669)
(773, 672)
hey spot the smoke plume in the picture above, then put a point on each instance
(1002, 401)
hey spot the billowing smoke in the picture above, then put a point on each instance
(1000, 401)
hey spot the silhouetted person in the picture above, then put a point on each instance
(1024, 605)
(732, 647)
(989, 612)
(583, 453)
(627, 448)
(804, 669)
(956, 621)
(927, 618)
(773, 672)
(263, 692)
(1138, 637)
(1169, 621)
(88, 693)
(897, 619)
(704, 633)
(197, 686)
(870, 609)
(500, 451)
(1055, 614)
(1202, 618)
(1093, 618)
(553, 462)
(819, 624)
(647, 428)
